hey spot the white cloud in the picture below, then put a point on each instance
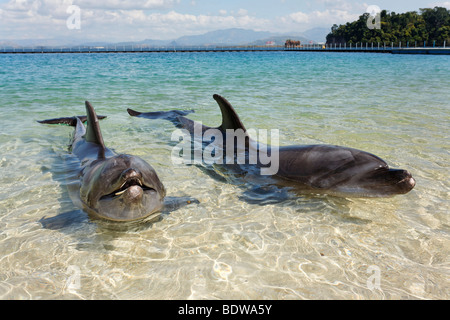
(242, 12)
(445, 4)
(299, 17)
(115, 20)
(343, 5)
(320, 18)
(54, 6)
(20, 19)
(125, 5)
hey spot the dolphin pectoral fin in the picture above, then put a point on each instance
(168, 115)
(230, 119)
(64, 220)
(266, 194)
(174, 203)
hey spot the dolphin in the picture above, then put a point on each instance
(111, 186)
(318, 169)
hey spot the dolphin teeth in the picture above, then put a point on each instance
(124, 186)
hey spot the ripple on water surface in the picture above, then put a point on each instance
(237, 243)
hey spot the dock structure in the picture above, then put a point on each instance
(421, 51)
(363, 48)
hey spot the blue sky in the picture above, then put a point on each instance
(271, 9)
(125, 20)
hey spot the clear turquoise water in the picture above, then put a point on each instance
(315, 247)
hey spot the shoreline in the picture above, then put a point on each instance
(391, 50)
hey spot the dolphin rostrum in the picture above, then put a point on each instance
(322, 169)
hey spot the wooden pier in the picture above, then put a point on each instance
(305, 48)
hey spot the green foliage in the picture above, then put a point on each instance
(429, 25)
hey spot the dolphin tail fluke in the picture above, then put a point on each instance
(70, 121)
(175, 116)
(167, 115)
(230, 119)
(133, 113)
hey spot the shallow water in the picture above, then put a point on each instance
(226, 247)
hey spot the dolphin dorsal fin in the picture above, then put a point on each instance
(93, 133)
(230, 119)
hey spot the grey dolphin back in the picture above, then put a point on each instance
(230, 119)
(326, 169)
(93, 133)
(107, 185)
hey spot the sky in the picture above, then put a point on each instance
(135, 20)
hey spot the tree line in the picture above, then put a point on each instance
(430, 25)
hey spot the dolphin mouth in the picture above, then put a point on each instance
(132, 182)
(408, 180)
(394, 181)
(407, 183)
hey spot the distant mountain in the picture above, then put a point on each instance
(233, 36)
(317, 34)
(278, 40)
(146, 42)
(32, 43)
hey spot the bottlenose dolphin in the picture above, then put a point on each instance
(117, 187)
(321, 169)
